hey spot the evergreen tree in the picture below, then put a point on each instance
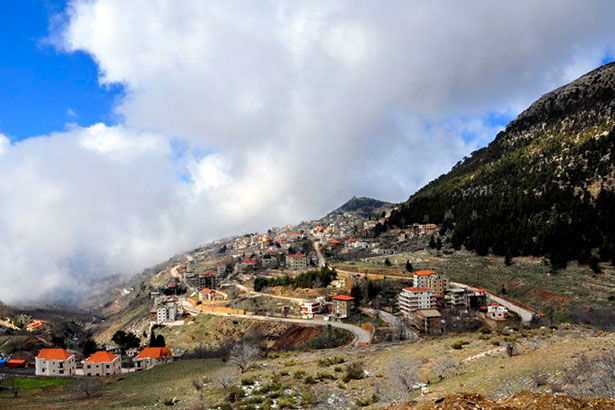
(387, 262)
(409, 267)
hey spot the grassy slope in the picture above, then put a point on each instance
(490, 374)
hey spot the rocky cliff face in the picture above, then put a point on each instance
(544, 186)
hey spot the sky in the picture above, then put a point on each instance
(131, 131)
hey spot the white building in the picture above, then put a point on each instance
(412, 299)
(167, 313)
(102, 363)
(55, 362)
(310, 307)
(496, 312)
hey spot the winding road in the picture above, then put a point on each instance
(361, 335)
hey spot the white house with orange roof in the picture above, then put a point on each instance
(102, 363)
(152, 356)
(55, 362)
(210, 295)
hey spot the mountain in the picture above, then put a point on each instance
(544, 186)
(363, 206)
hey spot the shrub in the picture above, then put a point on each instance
(299, 374)
(484, 330)
(496, 342)
(337, 369)
(457, 345)
(366, 401)
(331, 361)
(310, 380)
(354, 371)
(247, 381)
(234, 394)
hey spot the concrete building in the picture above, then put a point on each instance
(297, 261)
(429, 321)
(207, 279)
(431, 279)
(342, 306)
(496, 311)
(152, 356)
(412, 299)
(55, 362)
(458, 297)
(309, 308)
(167, 312)
(102, 363)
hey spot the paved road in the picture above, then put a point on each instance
(322, 262)
(361, 335)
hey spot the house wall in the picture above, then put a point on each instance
(56, 367)
(102, 369)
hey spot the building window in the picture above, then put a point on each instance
(61, 372)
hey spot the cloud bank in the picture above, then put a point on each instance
(240, 115)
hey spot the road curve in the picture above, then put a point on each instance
(361, 335)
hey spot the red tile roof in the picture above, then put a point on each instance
(425, 272)
(207, 290)
(53, 354)
(101, 357)
(296, 255)
(17, 361)
(418, 289)
(154, 353)
(343, 297)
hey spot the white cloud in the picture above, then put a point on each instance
(299, 105)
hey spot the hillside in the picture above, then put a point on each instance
(544, 186)
(363, 206)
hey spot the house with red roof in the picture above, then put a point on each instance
(38, 326)
(102, 363)
(431, 279)
(55, 362)
(152, 356)
(210, 295)
(342, 306)
(296, 261)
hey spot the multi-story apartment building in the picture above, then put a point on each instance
(431, 279)
(297, 261)
(167, 312)
(412, 299)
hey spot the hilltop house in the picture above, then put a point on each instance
(412, 299)
(296, 261)
(152, 356)
(55, 362)
(102, 363)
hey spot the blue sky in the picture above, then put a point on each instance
(43, 89)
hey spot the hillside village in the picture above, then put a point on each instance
(296, 274)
